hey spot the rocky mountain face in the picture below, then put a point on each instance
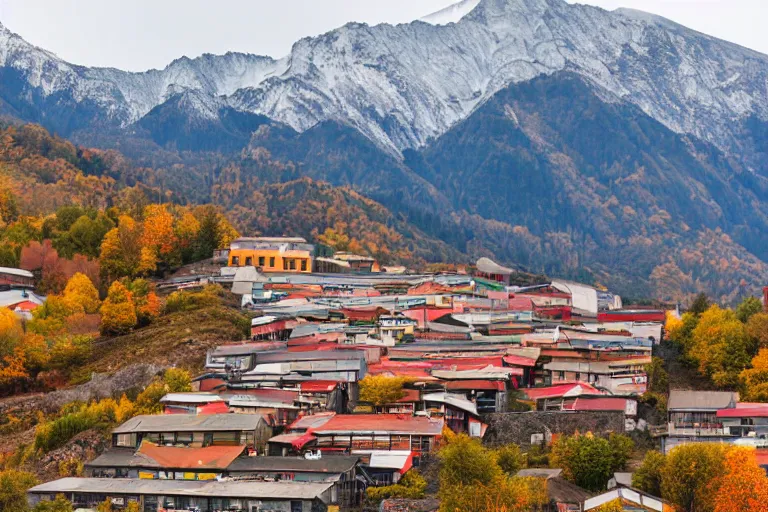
(563, 137)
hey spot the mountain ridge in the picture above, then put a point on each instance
(400, 94)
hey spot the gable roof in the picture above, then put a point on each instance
(701, 400)
(189, 423)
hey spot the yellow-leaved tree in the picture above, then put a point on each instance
(81, 295)
(118, 312)
(381, 389)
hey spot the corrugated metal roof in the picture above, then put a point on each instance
(701, 400)
(210, 457)
(384, 423)
(283, 490)
(327, 464)
(189, 423)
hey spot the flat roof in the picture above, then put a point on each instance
(191, 398)
(189, 423)
(226, 489)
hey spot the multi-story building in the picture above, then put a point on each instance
(278, 254)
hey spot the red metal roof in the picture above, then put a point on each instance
(519, 361)
(318, 386)
(599, 404)
(392, 423)
(762, 457)
(296, 440)
(753, 411)
(485, 385)
(311, 421)
(560, 390)
(210, 457)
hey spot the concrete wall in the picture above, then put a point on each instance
(518, 427)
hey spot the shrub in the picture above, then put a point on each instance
(411, 486)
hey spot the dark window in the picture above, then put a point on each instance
(235, 261)
(261, 261)
(271, 261)
(303, 265)
(293, 264)
(285, 263)
(248, 261)
(296, 506)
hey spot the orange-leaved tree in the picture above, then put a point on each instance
(744, 487)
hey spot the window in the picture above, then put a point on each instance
(248, 261)
(235, 261)
(303, 265)
(272, 261)
(285, 264)
(292, 264)
(561, 375)
(262, 259)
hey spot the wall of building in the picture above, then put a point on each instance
(518, 427)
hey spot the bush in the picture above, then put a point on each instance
(13, 490)
(590, 461)
(60, 504)
(411, 486)
(188, 301)
(510, 459)
(71, 467)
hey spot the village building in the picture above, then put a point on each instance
(632, 500)
(692, 417)
(272, 254)
(205, 496)
(197, 431)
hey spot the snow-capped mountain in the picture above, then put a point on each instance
(403, 85)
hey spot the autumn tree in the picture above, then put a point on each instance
(471, 479)
(690, 473)
(747, 308)
(700, 304)
(81, 294)
(590, 461)
(754, 380)
(757, 328)
(744, 487)
(13, 489)
(381, 389)
(720, 346)
(648, 476)
(121, 249)
(118, 312)
(158, 235)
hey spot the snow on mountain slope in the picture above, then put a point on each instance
(451, 14)
(402, 85)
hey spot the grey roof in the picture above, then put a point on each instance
(225, 489)
(189, 423)
(122, 457)
(540, 472)
(488, 266)
(314, 355)
(327, 464)
(242, 349)
(701, 400)
(191, 398)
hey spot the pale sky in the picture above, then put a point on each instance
(141, 34)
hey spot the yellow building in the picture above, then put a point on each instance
(272, 254)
